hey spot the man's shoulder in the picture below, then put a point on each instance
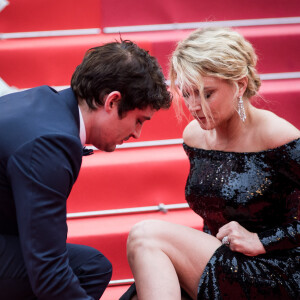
(54, 150)
(43, 89)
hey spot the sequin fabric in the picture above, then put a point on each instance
(261, 191)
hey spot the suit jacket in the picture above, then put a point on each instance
(40, 158)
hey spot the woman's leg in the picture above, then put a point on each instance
(164, 256)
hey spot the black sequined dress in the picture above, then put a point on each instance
(261, 191)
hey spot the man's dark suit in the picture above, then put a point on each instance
(40, 158)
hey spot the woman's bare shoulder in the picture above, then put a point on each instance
(275, 131)
(193, 135)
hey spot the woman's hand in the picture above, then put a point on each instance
(240, 239)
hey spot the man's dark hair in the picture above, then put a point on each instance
(124, 67)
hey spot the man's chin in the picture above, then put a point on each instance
(107, 148)
(110, 148)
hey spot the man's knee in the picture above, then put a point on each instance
(98, 266)
(95, 273)
(90, 265)
(102, 267)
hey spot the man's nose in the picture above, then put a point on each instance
(136, 134)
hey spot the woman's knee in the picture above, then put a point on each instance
(143, 236)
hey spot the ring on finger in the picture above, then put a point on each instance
(225, 241)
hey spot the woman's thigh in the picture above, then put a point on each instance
(188, 249)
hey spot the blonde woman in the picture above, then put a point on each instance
(244, 181)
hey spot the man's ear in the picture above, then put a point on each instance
(242, 84)
(111, 100)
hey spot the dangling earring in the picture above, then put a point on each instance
(241, 109)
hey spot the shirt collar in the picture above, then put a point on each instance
(82, 132)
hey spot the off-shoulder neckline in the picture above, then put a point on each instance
(236, 152)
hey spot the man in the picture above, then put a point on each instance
(116, 88)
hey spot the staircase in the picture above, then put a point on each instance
(42, 42)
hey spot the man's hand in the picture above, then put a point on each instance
(240, 239)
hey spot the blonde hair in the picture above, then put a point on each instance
(216, 52)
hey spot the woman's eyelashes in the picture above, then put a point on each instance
(207, 95)
(196, 94)
(185, 94)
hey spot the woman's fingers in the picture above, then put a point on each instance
(229, 228)
(239, 239)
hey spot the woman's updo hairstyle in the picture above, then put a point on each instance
(217, 52)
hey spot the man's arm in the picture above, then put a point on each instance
(42, 174)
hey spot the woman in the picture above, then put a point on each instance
(244, 181)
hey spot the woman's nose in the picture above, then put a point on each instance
(194, 107)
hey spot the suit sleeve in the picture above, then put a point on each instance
(42, 174)
(287, 236)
